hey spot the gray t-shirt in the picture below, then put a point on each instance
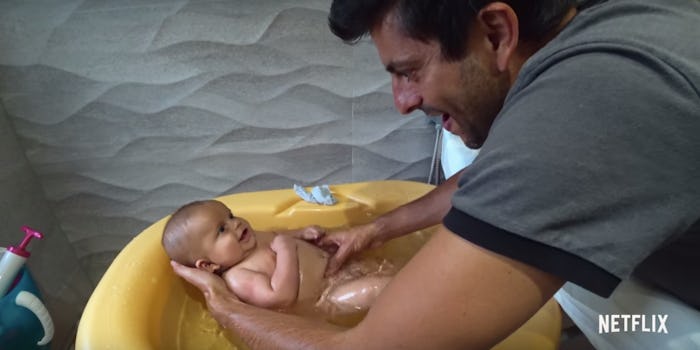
(591, 171)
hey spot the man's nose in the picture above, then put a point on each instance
(406, 97)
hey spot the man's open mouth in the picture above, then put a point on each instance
(447, 122)
(244, 235)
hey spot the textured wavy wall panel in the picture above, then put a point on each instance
(64, 285)
(126, 110)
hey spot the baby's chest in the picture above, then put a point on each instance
(263, 261)
(312, 266)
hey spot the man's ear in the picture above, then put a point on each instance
(206, 265)
(500, 25)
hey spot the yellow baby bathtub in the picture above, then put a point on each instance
(141, 304)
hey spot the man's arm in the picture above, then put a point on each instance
(454, 295)
(451, 295)
(423, 212)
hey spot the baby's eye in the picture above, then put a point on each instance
(222, 229)
(230, 215)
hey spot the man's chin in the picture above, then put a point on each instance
(470, 143)
(473, 145)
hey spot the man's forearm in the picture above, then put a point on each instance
(423, 212)
(266, 329)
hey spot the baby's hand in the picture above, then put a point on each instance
(312, 233)
(309, 233)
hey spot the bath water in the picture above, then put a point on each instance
(190, 326)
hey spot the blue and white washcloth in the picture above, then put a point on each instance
(318, 194)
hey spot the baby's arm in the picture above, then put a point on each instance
(276, 291)
(309, 233)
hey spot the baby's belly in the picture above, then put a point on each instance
(312, 266)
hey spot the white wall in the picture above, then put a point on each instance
(124, 110)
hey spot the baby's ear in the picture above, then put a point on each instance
(206, 265)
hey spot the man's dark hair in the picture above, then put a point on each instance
(446, 21)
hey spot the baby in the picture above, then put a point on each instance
(268, 269)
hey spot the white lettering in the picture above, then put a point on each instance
(603, 324)
(636, 322)
(644, 324)
(615, 323)
(625, 318)
(662, 324)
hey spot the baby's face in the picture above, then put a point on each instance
(224, 239)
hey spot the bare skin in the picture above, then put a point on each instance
(453, 312)
(421, 213)
(267, 269)
(471, 307)
(284, 271)
(280, 272)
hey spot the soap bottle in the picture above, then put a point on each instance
(14, 258)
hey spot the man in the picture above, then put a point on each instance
(589, 169)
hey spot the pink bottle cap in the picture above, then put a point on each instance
(29, 233)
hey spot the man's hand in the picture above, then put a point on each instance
(214, 288)
(344, 243)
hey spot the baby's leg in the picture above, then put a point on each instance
(357, 295)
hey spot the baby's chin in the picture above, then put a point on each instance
(222, 270)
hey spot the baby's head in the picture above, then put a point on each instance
(206, 235)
